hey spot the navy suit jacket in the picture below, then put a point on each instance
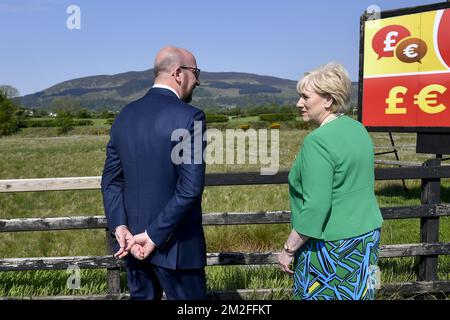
(145, 190)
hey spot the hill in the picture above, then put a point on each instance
(217, 89)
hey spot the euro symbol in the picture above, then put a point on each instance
(425, 98)
(393, 100)
(410, 51)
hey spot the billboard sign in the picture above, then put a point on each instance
(404, 82)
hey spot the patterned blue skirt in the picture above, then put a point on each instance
(338, 270)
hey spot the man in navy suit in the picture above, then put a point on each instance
(152, 201)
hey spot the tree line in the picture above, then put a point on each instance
(64, 111)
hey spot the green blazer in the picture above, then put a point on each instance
(331, 183)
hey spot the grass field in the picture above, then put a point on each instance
(240, 120)
(100, 123)
(42, 154)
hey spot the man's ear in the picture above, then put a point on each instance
(177, 74)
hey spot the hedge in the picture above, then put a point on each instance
(210, 118)
(277, 117)
(52, 123)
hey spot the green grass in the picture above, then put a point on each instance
(100, 123)
(239, 120)
(26, 155)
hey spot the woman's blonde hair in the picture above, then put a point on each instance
(329, 79)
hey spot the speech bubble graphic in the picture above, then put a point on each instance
(443, 37)
(387, 38)
(411, 50)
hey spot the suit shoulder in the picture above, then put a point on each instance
(130, 106)
(191, 110)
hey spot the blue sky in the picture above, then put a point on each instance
(282, 38)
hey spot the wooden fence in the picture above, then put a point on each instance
(427, 250)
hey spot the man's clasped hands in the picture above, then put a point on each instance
(139, 245)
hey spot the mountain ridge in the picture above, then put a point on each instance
(217, 89)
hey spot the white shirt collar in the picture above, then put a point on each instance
(163, 86)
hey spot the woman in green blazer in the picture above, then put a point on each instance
(335, 217)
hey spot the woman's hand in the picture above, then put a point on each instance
(293, 243)
(284, 260)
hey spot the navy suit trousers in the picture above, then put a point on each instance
(147, 282)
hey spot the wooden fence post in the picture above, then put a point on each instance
(112, 274)
(429, 226)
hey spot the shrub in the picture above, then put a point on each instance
(107, 114)
(275, 125)
(258, 124)
(64, 122)
(9, 122)
(210, 118)
(277, 116)
(39, 123)
(296, 124)
(49, 123)
(244, 126)
(86, 130)
(84, 114)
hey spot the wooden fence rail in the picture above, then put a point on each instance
(213, 259)
(216, 179)
(209, 219)
(427, 250)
